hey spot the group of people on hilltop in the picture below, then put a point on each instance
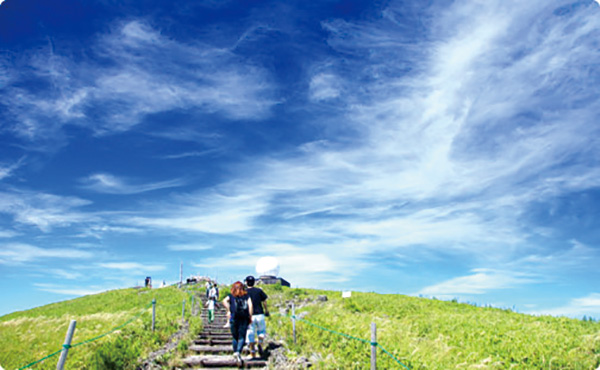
(246, 311)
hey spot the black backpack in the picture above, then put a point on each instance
(239, 307)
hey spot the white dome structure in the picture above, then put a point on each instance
(267, 266)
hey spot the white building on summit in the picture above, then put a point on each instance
(268, 269)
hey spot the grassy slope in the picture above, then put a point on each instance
(431, 334)
(421, 333)
(30, 335)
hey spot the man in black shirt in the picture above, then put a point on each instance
(258, 327)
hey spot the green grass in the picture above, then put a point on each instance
(431, 334)
(421, 333)
(28, 336)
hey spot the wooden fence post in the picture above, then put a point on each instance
(65, 351)
(373, 346)
(294, 321)
(182, 310)
(153, 313)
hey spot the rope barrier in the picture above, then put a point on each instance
(67, 346)
(350, 337)
(40, 360)
(389, 354)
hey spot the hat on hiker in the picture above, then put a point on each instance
(249, 280)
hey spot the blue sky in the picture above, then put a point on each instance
(434, 148)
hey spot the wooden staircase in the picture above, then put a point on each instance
(213, 349)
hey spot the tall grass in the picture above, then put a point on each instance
(30, 335)
(431, 334)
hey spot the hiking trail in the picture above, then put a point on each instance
(212, 347)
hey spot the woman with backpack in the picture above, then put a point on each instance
(239, 315)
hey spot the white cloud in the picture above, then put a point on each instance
(16, 253)
(7, 233)
(44, 211)
(324, 86)
(301, 265)
(8, 170)
(107, 183)
(146, 76)
(447, 156)
(65, 274)
(211, 213)
(577, 307)
(71, 291)
(189, 247)
(481, 282)
(131, 266)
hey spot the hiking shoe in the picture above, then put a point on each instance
(238, 358)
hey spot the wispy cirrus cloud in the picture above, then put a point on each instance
(131, 266)
(70, 291)
(8, 170)
(44, 211)
(111, 184)
(211, 212)
(300, 264)
(451, 146)
(481, 281)
(65, 274)
(188, 247)
(18, 253)
(577, 307)
(146, 76)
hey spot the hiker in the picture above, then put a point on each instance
(210, 304)
(258, 327)
(211, 310)
(213, 293)
(216, 290)
(207, 288)
(239, 316)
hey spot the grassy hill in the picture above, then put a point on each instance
(430, 334)
(27, 336)
(333, 334)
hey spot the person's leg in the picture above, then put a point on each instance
(234, 327)
(251, 338)
(242, 329)
(261, 331)
(261, 327)
(211, 316)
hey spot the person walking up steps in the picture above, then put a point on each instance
(213, 292)
(258, 327)
(210, 304)
(239, 307)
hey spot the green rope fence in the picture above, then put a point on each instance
(89, 340)
(350, 337)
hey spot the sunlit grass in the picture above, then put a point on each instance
(431, 334)
(30, 335)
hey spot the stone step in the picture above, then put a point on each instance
(214, 349)
(216, 331)
(214, 336)
(217, 317)
(222, 361)
(215, 328)
(222, 368)
(212, 341)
